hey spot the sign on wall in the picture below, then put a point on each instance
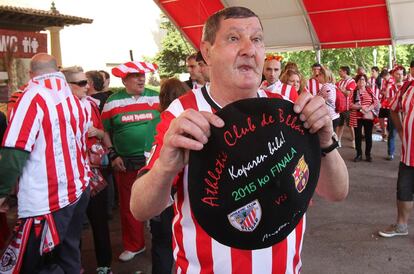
(24, 44)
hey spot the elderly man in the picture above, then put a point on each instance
(44, 149)
(129, 117)
(233, 47)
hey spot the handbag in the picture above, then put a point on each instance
(367, 115)
(97, 154)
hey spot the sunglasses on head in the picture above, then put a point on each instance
(80, 83)
(270, 57)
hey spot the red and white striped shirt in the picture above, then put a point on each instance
(313, 86)
(193, 249)
(365, 98)
(404, 102)
(347, 84)
(390, 94)
(51, 124)
(282, 89)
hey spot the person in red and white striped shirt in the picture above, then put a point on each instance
(403, 103)
(313, 84)
(233, 46)
(45, 147)
(346, 85)
(410, 75)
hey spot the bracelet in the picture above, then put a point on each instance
(112, 153)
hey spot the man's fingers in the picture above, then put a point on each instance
(302, 101)
(213, 119)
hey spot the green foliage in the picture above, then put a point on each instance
(171, 59)
(352, 57)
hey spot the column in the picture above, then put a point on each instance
(55, 43)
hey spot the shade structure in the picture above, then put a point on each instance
(291, 25)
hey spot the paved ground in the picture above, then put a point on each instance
(340, 237)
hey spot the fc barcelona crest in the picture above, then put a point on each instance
(246, 218)
(301, 174)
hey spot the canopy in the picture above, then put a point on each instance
(306, 24)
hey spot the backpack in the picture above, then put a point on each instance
(340, 102)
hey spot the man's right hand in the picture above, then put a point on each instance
(189, 131)
(118, 164)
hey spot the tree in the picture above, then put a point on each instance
(352, 57)
(171, 59)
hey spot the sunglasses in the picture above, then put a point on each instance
(80, 83)
(270, 57)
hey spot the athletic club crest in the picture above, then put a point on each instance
(246, 218)
(8, 260)
(301, 174)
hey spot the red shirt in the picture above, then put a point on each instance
(313, 86)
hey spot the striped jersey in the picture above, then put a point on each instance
(193, 249)
(347, 84)
(51, 124)
(328, 92)
(313, 86)
(387, 94)
(131, 121)
(404, 102)
(283, 89)
(365, 98)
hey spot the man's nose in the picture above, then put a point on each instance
(247, 47)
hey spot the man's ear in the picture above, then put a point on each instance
(205, 48)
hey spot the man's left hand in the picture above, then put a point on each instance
(315, 115)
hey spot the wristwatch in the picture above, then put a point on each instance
(334, 145)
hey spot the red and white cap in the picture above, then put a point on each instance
(133, 67)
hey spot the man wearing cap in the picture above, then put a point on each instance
(233, 47)
(129, 118)
(44, 149)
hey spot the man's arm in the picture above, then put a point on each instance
(189, 131)
(397, 123)
(333, 181)
(116, 161)
(12, 162)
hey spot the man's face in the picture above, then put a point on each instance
(374, 73)
(106, 81)
(134, 83)
(342, 73)
(193, 69)
(412, 72)
(237, 55)
(204, 71)
(315, 72)
(398, 75)
(361, 71)
(79, 85)
(271, 71)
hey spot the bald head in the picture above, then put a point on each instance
(42, 63)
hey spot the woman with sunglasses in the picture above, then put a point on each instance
(97, 215)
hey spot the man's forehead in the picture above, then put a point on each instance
(241, 24)
(272, 64)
